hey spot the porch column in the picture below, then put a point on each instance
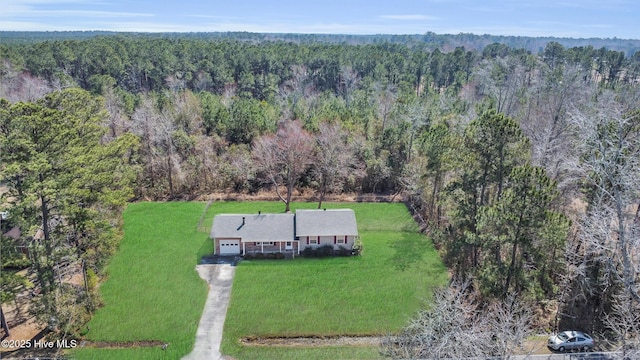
(280, 245)
(262, 247)
(244, 247)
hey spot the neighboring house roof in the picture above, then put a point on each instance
(54, 221)
(256, 227)
(14, 233)
(326, 222)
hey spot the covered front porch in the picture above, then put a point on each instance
(268, 247)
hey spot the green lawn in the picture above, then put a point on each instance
(367, 295)
(153, 292)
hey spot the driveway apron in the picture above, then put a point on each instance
(209, 334)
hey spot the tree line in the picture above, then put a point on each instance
(444, 42)
(524, 166)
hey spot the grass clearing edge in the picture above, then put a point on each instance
(376, 292)
(373, 294)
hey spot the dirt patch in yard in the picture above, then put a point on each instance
(22, 325)
(533, 345)
(313, 341)
(122, 344)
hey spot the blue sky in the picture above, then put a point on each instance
(560, 18)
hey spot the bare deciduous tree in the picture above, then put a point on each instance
(611, 166)
(335, 160)
(624, 321)
(284, 157)
(605, 259)
(349, 80)
(21, 86)
(458, 326)
(449, 329)
(386, 98)
(238, 167)
(546, 120)
(503, 79)
(156, 131)
(142, 125)
(208, 166)
(509, 322)
(417, 116)
(117, 120)
(292, 91)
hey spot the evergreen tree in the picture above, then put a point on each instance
(67, 187)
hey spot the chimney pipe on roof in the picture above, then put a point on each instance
(243, 221)
(259, 212)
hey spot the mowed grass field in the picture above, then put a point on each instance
(372, 294)
(154, 293)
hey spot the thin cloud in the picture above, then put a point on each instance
(25, 26)
(89, 13)
(408, 17)
(35, 13)
(592, 4)
(29, 6)
(598, 26)
(29, 3)
(493, 10)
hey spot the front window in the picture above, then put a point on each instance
(313, 240)
(341, 239)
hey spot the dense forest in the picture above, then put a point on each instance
(444, 42)
(523, 166)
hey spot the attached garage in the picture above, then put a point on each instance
(229, 247)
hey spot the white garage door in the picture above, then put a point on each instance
(229, 247)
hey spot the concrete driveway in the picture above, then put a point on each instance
(219, 276)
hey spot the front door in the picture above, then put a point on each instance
(288, 245)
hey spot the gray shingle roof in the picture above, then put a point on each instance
(326, 222)
(257, 227)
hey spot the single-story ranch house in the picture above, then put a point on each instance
(235, 234)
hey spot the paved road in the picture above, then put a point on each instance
(560, 356)
(209, 334)
(570, 356)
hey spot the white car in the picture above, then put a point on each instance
(570, 340)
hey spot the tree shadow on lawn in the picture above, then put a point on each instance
(408, 250)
